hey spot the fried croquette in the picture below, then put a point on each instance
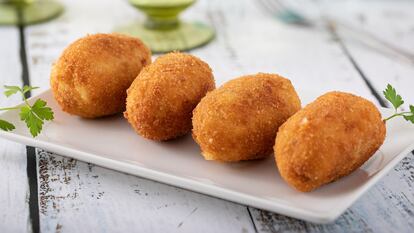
(92, 75)
(161, 99)
(328, 139)
(239, 120)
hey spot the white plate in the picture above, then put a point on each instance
(111, 143)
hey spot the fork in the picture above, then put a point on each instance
(285, 14)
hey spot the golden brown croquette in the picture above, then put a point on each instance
(328, 139)
(161, 100)
(239, 120)
(92, 75)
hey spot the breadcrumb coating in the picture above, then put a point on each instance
(239, 120)
(92, 75)
(328, 139)
(161, 100)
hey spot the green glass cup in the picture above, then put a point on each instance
(163, 31)
(25, 12)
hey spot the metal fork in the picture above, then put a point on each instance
(283, 13)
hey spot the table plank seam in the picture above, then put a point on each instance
(31, 168)
(377, 96)
(252, 219)
(338, 39)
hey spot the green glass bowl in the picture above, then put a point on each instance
(162, 30)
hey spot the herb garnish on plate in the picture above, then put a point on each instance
(33, 115)
(396, 100)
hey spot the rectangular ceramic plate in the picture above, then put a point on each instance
(112, 143)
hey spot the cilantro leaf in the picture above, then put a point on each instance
(409, 118)
(33, 122)
(396, 100)
(6, 126)
(28, 88)
(391, 95)
(11, 90)
(42, 111)
(33, 115)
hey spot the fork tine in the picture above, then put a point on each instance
(278, 9)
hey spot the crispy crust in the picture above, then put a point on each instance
(161, 100)
(328, 139)
(239, 120)
(92, 74)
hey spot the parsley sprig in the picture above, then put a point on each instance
(33, 115)
(396, 100)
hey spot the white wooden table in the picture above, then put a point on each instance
(44, 192)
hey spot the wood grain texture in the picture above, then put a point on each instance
(79, 197)
(390, 23)
(75, 196)
(14, 215)
(389, 205)
(250, 41)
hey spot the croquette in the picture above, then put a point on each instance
(92, 75)
(161, 99)
(239, 120)
(328, 139)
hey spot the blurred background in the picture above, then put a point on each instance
(357, 46)
(314, 43)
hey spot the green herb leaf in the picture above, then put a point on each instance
(33, 115)
(42, 111)
(11, 90)
(396, 100)
(33, 122)
(28, 88)
(391, 95)
(6, 126)
(409, 118)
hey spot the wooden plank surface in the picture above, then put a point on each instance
(381, 25)
(14, 215)
(389, 205)
(250, 41)
(228, 61)
(79, 197)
